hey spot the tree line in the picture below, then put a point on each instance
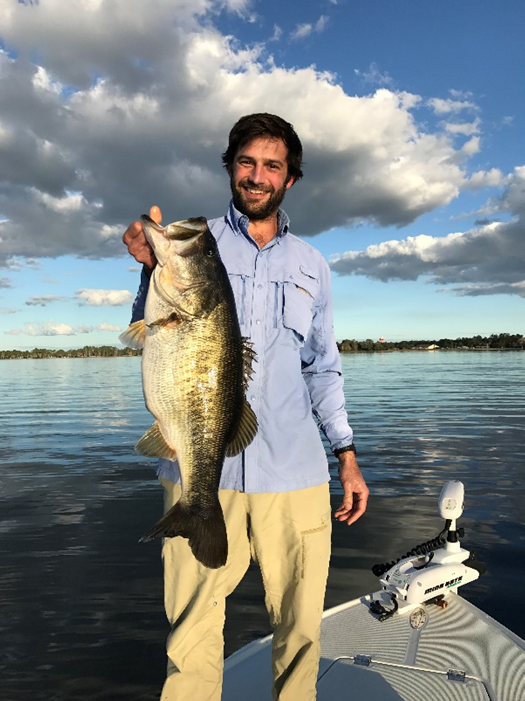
(85, 352)
(495, 341)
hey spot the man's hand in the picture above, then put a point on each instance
(136, 241)
(354, 487)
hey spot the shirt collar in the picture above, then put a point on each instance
(239, 222)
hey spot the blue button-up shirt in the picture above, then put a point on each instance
(284, 305)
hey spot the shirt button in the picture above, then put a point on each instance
(259, 287)
(252, 397)
(258, 321)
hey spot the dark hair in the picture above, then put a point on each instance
(270, 126)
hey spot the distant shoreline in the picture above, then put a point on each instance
(427, 350)
(3, 355)
(501, 341)
(496, 342)
(86, 352)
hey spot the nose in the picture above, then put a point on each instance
(257, 174)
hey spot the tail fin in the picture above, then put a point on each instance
(205, 530)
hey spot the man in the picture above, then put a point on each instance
(274, 495)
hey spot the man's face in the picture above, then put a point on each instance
(259, 178)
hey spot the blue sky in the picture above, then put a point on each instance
(411, 117)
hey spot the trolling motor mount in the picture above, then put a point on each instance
(427, 574)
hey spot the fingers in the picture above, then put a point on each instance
(355, 490)
(132, 233)
(156, 214)
(136, 242)
(351, 509)
(344, 512)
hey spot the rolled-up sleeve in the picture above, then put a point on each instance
(321, 367)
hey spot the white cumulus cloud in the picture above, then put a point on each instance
(81, 157)
(447, 106)
(48, 328)
(54, 328)
(305, 29)
(104, 298)
(302, 31)
(464, 128)
(104, 326)
(487, 259)
(481, 179)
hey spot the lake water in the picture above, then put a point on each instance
(81, 600)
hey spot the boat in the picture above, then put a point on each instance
(414, 639)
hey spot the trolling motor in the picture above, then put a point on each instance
(432, 570)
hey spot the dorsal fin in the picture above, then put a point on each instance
(249, 356)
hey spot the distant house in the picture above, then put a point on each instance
(433, 346)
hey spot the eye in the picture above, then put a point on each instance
(210, 252)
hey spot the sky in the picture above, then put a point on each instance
(411, 114)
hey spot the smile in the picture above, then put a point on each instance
(255, 192)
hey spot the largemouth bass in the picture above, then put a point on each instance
(195, 368)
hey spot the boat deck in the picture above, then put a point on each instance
(431, 654)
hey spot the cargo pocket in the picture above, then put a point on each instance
(315, 552)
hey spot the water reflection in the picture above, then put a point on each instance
(81, 600)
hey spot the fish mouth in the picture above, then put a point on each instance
(183, 233)
(186, 229)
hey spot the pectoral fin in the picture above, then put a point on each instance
(153, 445)
(245, 432)
(134, 335)
(169, 322)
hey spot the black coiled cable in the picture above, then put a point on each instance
(421, 549)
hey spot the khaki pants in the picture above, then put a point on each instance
(288, 534)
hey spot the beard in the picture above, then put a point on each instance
(256, 211)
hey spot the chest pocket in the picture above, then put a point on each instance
(296, 294)
(241, 279)
(239, 283)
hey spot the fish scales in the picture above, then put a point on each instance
(194, 372)
(200, 376)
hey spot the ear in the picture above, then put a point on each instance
(290, 182)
